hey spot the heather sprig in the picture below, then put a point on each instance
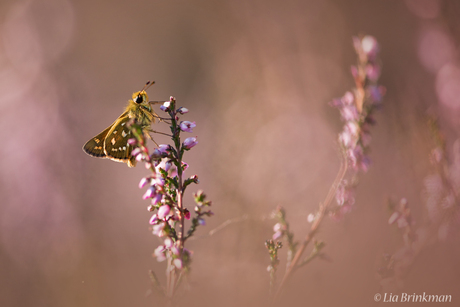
(166, 186)
(356, 109)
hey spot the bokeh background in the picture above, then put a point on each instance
(257, 77)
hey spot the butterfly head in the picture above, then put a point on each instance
(140, 97)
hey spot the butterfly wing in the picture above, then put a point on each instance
(116, 145)
(95, 146)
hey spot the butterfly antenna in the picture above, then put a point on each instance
(147, 85)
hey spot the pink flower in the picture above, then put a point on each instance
(189, 142)
(165, 106)
(143, 182)
(159, 253)
(187, 126)
(158, 229)
(187, 214)
(349, 113)
(153, 219)
(373, 72)
(277, 235)
(175, 250)
(178, 263)
(182, 110)
(164, 148)
(370, 46)
(149, 193)
(156, 199)
(168, 243)
(168, 165)
(136, 152)
(163, 211)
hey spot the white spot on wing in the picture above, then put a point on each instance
(124, 147)
(124, 134)
(122, 124)
(115, 132)
(113, 141)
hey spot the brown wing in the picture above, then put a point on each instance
(116, 145)
(95, 146)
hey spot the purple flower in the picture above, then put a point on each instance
(159, 253)
(189, 142)
(136, 151)
(349, 113)
(153, 219)
(376, 93)
(201, 221)
(187, 214)
(158, 229)
(168, 165)
(187, 126)
(345, 195)
(165, 106)
(182, 110)
(277, 235)
(348, 99)
(149, 193)
(168, 243)
(143, 182)
(156, 199)
(373, 72)
(163, 211)
(370, 46)
(175, 250)
(164, 149)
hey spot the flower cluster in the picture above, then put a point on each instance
(165, 189)
(356, 108)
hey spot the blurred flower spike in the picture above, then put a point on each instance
(356, 111)
(165, 188)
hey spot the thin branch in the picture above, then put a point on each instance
(314, 227)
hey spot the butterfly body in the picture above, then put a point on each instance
(112, 143)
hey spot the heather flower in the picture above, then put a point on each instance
(175, 250)
(160, 253)
(164, 149)
(156, 199)
(158, 229)
(168, 243)
(168, 165)
(149, 193)
(163, 211)
(166, 193)
(187, 126)
(187, 214)
(277, 235)
(189, 142)
(136, 152)
(153, 219)
(165, 106)
(182, 110)
(144, 181)
(370, 46)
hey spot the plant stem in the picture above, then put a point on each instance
(314, 227)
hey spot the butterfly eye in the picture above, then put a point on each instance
(138, 99)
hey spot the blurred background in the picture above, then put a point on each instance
(257, 77)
